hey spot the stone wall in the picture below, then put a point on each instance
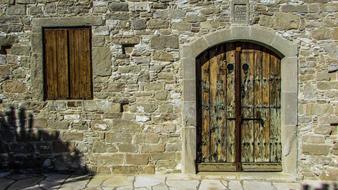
(134, 122)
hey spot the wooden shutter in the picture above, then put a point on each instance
(56, 64)
(67, 63)
(79, 64)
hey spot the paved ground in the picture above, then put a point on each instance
(150, 182)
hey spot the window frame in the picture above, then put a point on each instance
(45, 96)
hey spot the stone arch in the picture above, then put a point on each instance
(289, 88)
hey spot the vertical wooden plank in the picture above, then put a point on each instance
(50, 65)
(278, 111)
(230, 102)
(238, 106)
(275, 143)
(87, 67)
(214, 128)
(205, 88)
(62, 68)
(258, 102)
(266, 104)
(221, 105)
(80, 63)
(246, 95)
(56, 63)
(199, 110)
(73, 64)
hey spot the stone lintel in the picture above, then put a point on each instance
(71, 21)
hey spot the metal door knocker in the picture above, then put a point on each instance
(245, 67)
(230, 67)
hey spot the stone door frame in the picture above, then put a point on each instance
(289, 89)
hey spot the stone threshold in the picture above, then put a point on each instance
(271, 176)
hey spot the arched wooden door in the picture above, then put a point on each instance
(238, 91)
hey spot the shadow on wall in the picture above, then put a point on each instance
(23, 148)
(325, 186)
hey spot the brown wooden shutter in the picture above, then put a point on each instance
(79, 64)
(67, 55)
(56, 64)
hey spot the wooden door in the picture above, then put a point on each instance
(238, 95)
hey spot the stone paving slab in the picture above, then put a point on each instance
(148, 182)
(4, 183)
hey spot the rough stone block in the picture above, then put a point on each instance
(324, 129)
(14, 86)
(128, 148)
(4, 71)
(156, 86)
(35, 11)
(137, 159)
(25, 1)
(335, 149)
(330, 174)
(152, 148)
(173, 147)
(72, 136)
(128, 40)
(107, 159)
(194, 17)
(157, 24)
(146, 138)
(316, 149)
(286, 21)
(118, 6)
(139, 24)
(335, 33)
(162, 42)
(118, 138)
(139, 6)
(16, 10)
(163, 56)
(314, 139)
(321, 33)
(102, 61)
(294, 8)
(181, 26)
(102, 30)
(40, 123)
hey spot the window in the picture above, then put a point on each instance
(67, 63)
